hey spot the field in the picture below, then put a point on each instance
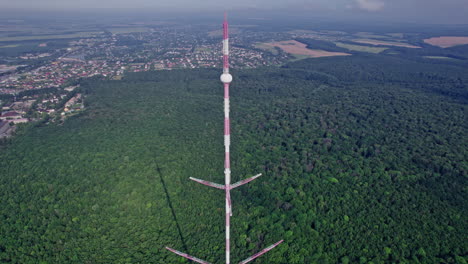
(447, 42)
(438, 57)
(10, 46)
(301, 31)
(396, 35)
(385, 43)
(297, 48)
(118, 30)
(360, 48)
(6, 68)
(370, 35)
(267, 47)
(40, 37)
(202, 49)
(300, 57)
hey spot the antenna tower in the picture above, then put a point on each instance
(226, 79)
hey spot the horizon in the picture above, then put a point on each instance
(431, 12)
(277, 19)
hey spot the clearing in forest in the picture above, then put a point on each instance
(385, 43)
(297, 48)
(447, 42)
(360, 48)
(438, 58)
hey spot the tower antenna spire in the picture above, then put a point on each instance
(226, 79)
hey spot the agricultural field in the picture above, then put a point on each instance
(396, 35)
(447, 42)
(297, 48)
(370, 35)
(266, 47)
(438, 58)
(43, 37)
(123, 30)
(385, 43)
(10, 46)
(202, 49)
(360, 48)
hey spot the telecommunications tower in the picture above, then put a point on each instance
(226, 79)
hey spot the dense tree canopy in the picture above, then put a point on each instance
(364, 161)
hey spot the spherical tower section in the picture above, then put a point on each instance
(226, 78)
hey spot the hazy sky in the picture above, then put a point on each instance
(435, 11)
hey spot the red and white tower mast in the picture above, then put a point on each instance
(226, 79)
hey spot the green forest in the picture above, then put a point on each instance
(364, 160)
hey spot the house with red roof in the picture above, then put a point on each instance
(10, 115)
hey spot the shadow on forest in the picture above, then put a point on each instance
(184, 245)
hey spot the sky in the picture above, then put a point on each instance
(424, 11)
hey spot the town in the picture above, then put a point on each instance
(111, 55)
(34, 85)
(52, 106)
